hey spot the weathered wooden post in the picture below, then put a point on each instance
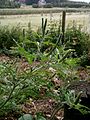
(23, 37)
(23, 34)
(63, 25)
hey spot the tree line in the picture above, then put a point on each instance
(55, 3)
(48, 1)
(61, 3)
(9, 4)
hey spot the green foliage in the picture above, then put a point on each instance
(61, 3)
(48, 5)
(29, 117)
(69, 98)
(26, 117)
(69, 4)
(7, 87)
(79, 41)
(16, 87)
(85, 59)
(45, 40)
(45, 48)
(73, 101)
(40, 118)
(7, 35)
(22, 52)
(73, 62)
(9, 4)
(35, 5)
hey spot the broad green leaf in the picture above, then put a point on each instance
(26, 117)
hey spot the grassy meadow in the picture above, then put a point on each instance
(22, 16)
(35, 19)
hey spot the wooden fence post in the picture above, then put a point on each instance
(63, 25)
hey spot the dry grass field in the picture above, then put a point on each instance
(81, 18)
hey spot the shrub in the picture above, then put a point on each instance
(17, 5)
(77, 39)
(80, 41)
(72, 4)
(48, 5)
(85, 59)
(16, 87)
(7, 35)
(35, 5)
(10, 4)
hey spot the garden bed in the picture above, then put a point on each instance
(46, 105)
